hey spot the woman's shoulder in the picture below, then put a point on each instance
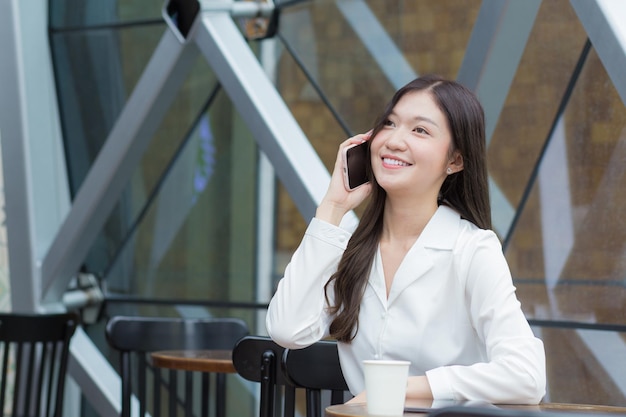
(470, 235)
(478, 253)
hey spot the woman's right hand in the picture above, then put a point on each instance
(338, 201)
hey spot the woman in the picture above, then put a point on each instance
(422, 278)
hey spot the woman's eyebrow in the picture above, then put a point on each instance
(418, 119)
(425, 119)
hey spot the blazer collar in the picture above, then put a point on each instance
(442, 229)
(440, 233)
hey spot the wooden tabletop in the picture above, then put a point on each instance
(360, 409)
(220, 361)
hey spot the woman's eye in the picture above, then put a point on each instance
(420, 130)
(388, 123)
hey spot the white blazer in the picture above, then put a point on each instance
(451, 311)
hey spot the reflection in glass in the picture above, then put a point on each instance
(196, 239)
(550, 57)
(185, 226)
(360, 52)
(574, 214)
(83, 14)
(583, 366)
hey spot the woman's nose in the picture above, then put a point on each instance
(395, 140)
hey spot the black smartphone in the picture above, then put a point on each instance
(354, 166)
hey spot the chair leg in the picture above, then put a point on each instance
(290, 401)
(220, 395)
(267, 384)
(188, 394)
(206, 392)
(313, 403)
(173, 392)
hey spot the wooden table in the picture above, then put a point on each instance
(360, 409)
(219, 362)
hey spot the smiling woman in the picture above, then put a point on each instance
(411, 154)
(422, 278)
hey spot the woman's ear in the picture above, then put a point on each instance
(456, 163)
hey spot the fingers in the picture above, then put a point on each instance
(356, 139)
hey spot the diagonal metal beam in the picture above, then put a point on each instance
(478, 48)
(603, 21)
(278, 134)
(116, 162)
(491, 59)
(375, 38)
(494, 51)
(99, 382)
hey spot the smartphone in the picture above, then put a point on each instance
(355, 165)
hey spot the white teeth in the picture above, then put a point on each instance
(390, 161)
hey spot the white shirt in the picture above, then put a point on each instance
(451, 311)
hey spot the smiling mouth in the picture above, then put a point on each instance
(395, 162)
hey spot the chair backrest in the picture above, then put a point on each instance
(136, 337)
(35, 350)
(316, 369)
(257, 359)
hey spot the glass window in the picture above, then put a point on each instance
(567, 252)
(77, 15)
(185, 228)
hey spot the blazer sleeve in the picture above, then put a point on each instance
(514, 370)
(298, 315)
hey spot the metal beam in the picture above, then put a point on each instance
(98, 381)
(490, 63)
(296, 163)
(478, 48)
(116, 162)
(603, 21)
(375, 38)
(494, 52)
(25, 287)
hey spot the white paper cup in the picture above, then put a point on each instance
(385, 386)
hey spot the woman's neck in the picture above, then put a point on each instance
(404, 220)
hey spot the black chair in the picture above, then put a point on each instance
(316, 369)
(136, 337)
(35, 349)
(278, 370)
(258, 359)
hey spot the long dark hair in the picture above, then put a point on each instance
(466, 191)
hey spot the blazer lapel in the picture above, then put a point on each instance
(377, 279)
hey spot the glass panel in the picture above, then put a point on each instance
(360, 52)
(196, 240)
(95, 73)
(185, 227)
(71, 14)
(552, 52)
(93, 96)
(570, 232)
(581, 366)
(329, 50)
(328, 40)
(432, 35)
